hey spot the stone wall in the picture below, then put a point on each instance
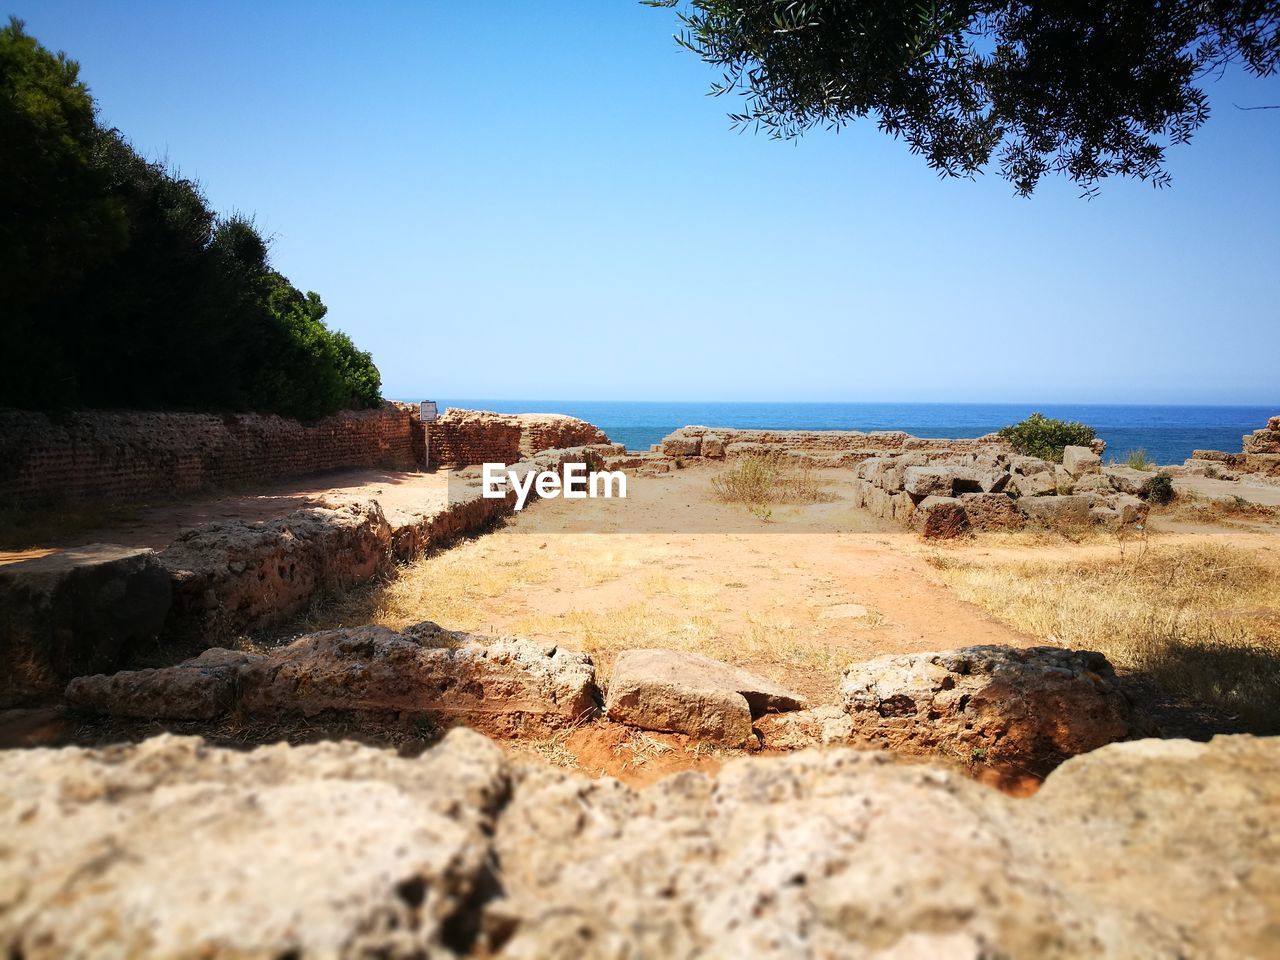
(1260, 454)
(104, 455)
(944, 495)
(462, 438)
(820, 447)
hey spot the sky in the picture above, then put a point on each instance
(530, 199)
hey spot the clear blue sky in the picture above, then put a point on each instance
(530, 199)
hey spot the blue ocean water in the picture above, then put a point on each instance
(1167, 433)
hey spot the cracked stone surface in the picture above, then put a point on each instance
(175, 848)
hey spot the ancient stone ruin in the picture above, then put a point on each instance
(1259, 456)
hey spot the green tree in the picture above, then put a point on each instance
(121, 287)
(1082, 88)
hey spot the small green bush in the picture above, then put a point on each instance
(1157, 489)
(1040, 436)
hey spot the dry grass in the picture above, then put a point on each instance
(756, 482)
(1201, 620)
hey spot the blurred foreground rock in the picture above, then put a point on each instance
(174, 848)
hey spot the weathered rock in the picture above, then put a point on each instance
(1029, 466)
(1262, 441)
(1126, 479)
(171, 848)
(682, 445)
(1056, 511)
(503, 687)
(1031, 706)
(1093, 483)
(940, 518)
(1130, 510)
(802, 729)
(991, 511)
(76, 611)
(929, 481)
(1035, 484)
(174, 848)
(1078, 461)
(230, 576)
(200, 689)
(712, 446)
(691, 693)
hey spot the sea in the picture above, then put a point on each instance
(1167, 434)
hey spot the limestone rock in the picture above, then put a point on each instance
(73, 612)
(1126, 479)
(1035, 484)
(1078, 461)
(1029, 466)
(235, 575)
(691, 693)
(928, 481)
(680, 444)
(712, 446)
(1093, 483)
(940, 518)
(802, 729)
(1067, 511)
(503, 687)
(1031, 706)
(174, 848)
(200, 689)
(991, 511)
(171, 848)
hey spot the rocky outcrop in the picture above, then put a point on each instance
(174, 848)
(1032, 706)
(76, 611)
(504, 686)
(693, 694)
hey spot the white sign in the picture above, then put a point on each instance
(429, 412)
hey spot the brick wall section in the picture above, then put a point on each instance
(467, 437)
(101, 455)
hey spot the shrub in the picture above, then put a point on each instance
(1040, 436)
(1157, 489)
(757, 481)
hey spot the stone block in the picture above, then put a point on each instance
(940, 518)
(74, 612)
(1078, 461)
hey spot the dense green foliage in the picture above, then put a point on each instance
(1083, 88)
(119, 287)
(1158, 489)
(1040, 436)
